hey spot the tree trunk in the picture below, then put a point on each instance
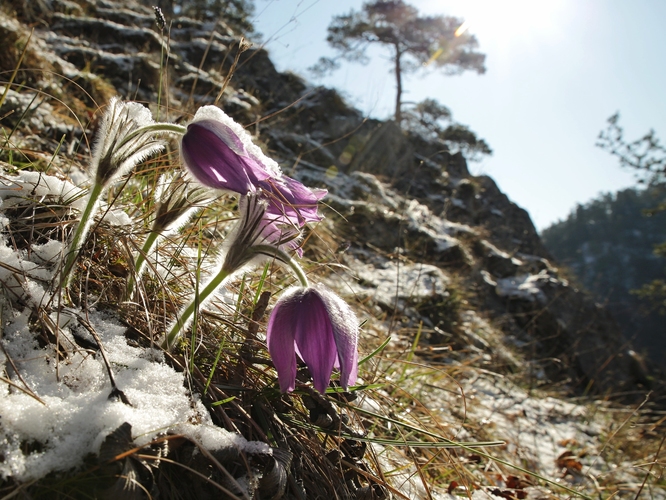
(398, 84)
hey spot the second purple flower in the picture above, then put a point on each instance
(319, 327)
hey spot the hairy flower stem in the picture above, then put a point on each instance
(186, 314)
(218, 280)
(95, 193)
(140, 262)
(284, 258)
(155, 127)
(79, 236)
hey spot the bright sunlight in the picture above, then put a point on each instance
(507, 23)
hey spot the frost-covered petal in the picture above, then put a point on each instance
(213, 113)
(217, 158)
(220, 154)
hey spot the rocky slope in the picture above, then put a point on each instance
(420, 203)
(420, 245)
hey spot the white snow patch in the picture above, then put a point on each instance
(35, 185)
(50, 252)
(420, 216)
(385, 281)
(14, 189)
(525, 286)
(116, 217)
(78, 414)
(64, 412)
(535, 429)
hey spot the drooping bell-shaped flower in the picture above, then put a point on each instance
(220, 154)
(319, 327)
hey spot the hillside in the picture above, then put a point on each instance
(483, 371)
(609, 245)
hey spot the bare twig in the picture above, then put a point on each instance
(115, 392)
(647, 474)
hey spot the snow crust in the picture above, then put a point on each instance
(57, 409)
(35, 185)
(215, 113)
(526, 287)
(389, 283)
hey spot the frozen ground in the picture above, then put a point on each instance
(58, 407)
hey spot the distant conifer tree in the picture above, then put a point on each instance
(416, 41)
(647, 156)
(609, 243)
(433, 121)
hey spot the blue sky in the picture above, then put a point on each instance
(556, 70)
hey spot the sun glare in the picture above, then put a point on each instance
(462, 28)
(506, 22)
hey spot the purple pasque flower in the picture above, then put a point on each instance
(292, 200)
(255, 233)
(253, 240)
(220, 154)
(217, 157)
(319, 327)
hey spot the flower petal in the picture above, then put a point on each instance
(253, 230)
(324, 330)
(280, 340)
(220, 154)
(313, 334)
(282, 235)
(290, 199)
(213, 113)
(345, 333)
(210, 152)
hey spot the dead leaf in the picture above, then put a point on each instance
(568, 461)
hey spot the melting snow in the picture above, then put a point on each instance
(57, 409)
(386, 281)
(525, 286)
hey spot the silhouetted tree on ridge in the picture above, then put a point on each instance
(416, 41)
(434, 121)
